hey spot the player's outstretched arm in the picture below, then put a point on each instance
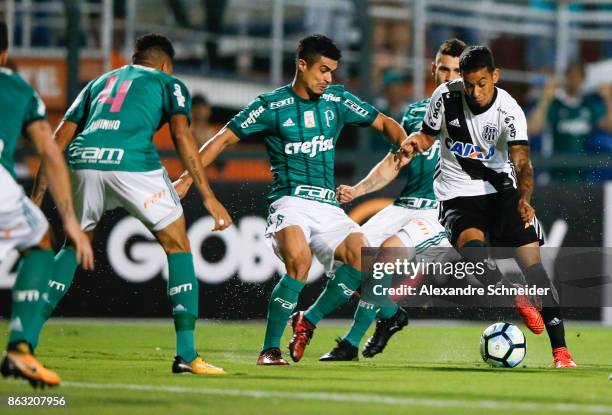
(381, 175)
(55, 171)
(416, 142)
(208, 153)
(390, 128)
(519, 155)
(188, 152)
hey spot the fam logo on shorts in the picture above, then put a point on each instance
(489, 133)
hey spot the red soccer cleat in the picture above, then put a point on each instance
(302, 333)
(271, 357)
(530, 315)
(562, 359)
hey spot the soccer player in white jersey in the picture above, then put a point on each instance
(485, 182)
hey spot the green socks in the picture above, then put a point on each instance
(283, 300)
(338, 291)
(183, 293)
(27, 295)
(64, 267)
(365, 314)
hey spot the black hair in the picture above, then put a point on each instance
(313, 46)
(474, 58)
(199, 99)
(3, 37)
(451, 47)
(150, 45)
(577, 65)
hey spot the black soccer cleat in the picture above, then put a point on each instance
(385, 329)
(343, 352)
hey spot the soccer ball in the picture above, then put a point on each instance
(503, 345)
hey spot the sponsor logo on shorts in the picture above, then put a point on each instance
(318, 144)
(253, 116)
(155, 198)
(315, 192)
(57, 285)
(282, 103)
(357, 109)
(468, 150)
(98, 155)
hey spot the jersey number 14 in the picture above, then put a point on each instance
(116, 101)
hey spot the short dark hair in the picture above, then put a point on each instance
(313, 46)
(3, 36)
(576, 66)
(199, 99)
(150, 44)
(474, 58)
(451, 47)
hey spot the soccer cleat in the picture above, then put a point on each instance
(21, 363)
(562, 359)
(530, 315)
(197, 366)
(302, 333)
(343, 352)
(385, 329)
(271, 357)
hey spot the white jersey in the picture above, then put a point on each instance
(474, 142)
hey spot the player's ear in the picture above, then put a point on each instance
(433, 69)
(495, 75)
(167, 67)
(302, 65)
(3, 57)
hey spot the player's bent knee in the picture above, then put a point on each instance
(298, 264)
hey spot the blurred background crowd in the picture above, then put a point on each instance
(555, 59)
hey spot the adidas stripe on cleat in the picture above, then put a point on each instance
(197, 366)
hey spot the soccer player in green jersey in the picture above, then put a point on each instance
(108, 132)
(300, 123)
(23, 225)
(410, 222)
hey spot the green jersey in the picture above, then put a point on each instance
(418, 191)
(300, 137)
(118, 114)
(20, 106)
(572, 121)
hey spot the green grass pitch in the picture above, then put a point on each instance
(124, 368)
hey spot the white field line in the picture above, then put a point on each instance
(353, 398)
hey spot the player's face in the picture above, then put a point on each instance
(318, 75)
(446, 68)
(480, 85)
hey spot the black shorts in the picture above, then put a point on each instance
(495, 214)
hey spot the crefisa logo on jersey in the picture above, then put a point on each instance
(489, 133)
(253, 115)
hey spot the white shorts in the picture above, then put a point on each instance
(22, 225)
(416, 228)
(325, 226)
(147, 196)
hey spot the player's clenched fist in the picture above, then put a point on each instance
(219, 214)
(346, 194)
(526, 211)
